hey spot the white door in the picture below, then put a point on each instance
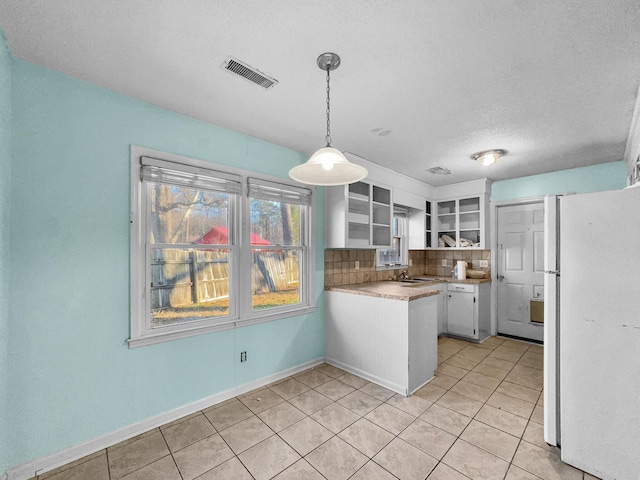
(520, 268)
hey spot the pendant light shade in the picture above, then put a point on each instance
(328, 166)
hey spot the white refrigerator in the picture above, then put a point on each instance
(592, 331)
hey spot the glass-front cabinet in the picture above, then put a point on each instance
(427, 225)
(460, 223)
(382, 213)
(358, 215)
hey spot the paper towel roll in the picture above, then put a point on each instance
(462, 270)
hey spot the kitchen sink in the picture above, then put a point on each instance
(417, 280)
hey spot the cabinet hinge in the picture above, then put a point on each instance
(474, 331)
(474, 299)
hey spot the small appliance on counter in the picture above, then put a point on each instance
(459, 271)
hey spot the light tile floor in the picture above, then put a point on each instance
(479, 419)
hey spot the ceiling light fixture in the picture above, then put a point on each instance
(328, 166)
(488, 157)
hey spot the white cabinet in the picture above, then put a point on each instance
(461, 316)
(442, 308)
(428, 226)
(382, 216)
(389, 342)
(468, 310)
(461, 223)
(358, 215)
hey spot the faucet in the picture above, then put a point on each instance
(401, 276)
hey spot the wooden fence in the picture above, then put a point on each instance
(183, 277)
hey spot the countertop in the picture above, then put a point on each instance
(401, 291)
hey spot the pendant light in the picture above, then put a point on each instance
(328, 166)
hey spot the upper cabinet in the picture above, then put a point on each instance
(460, 223)
(382, 213)
(359, 215)
(428, 226)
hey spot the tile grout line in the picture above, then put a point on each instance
(386, 401)
(106, 452)
(459, 437)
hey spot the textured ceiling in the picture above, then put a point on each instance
(552, 82)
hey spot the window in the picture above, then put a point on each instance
(194, 268)
(398, 254)
(278, 247)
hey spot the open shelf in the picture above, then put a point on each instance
(367, 212)
(460, 219)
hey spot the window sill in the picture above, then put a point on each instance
(162, 337)
(269, 317)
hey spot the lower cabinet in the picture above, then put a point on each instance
(468, 310)
(442, 308)
(393, 343)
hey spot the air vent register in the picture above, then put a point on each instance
(237, 67)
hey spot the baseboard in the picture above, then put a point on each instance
(367, 376)
(62, 457)
(420, 386)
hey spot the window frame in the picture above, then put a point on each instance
(304, 265)
(400, 215)
(241, 312)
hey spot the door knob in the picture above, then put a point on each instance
(500, 278)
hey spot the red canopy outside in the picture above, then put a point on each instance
(220, 236)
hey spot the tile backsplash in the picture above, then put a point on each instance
(340, 265)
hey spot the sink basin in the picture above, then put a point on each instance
(417, 280)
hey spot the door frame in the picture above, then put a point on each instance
(493, 225)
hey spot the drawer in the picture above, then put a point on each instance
(461, 287)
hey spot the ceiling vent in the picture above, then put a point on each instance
(234, 65)
(439, 171)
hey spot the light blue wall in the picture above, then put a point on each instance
(595, 178)
(5, 186)
(72, 375)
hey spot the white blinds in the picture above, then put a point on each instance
(163, 171)
(279, 192)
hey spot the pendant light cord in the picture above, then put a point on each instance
(328, 137)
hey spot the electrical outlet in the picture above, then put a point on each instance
(444, 262)
(411, 262)
(357, 265)
(243, 356)
(484, 263)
